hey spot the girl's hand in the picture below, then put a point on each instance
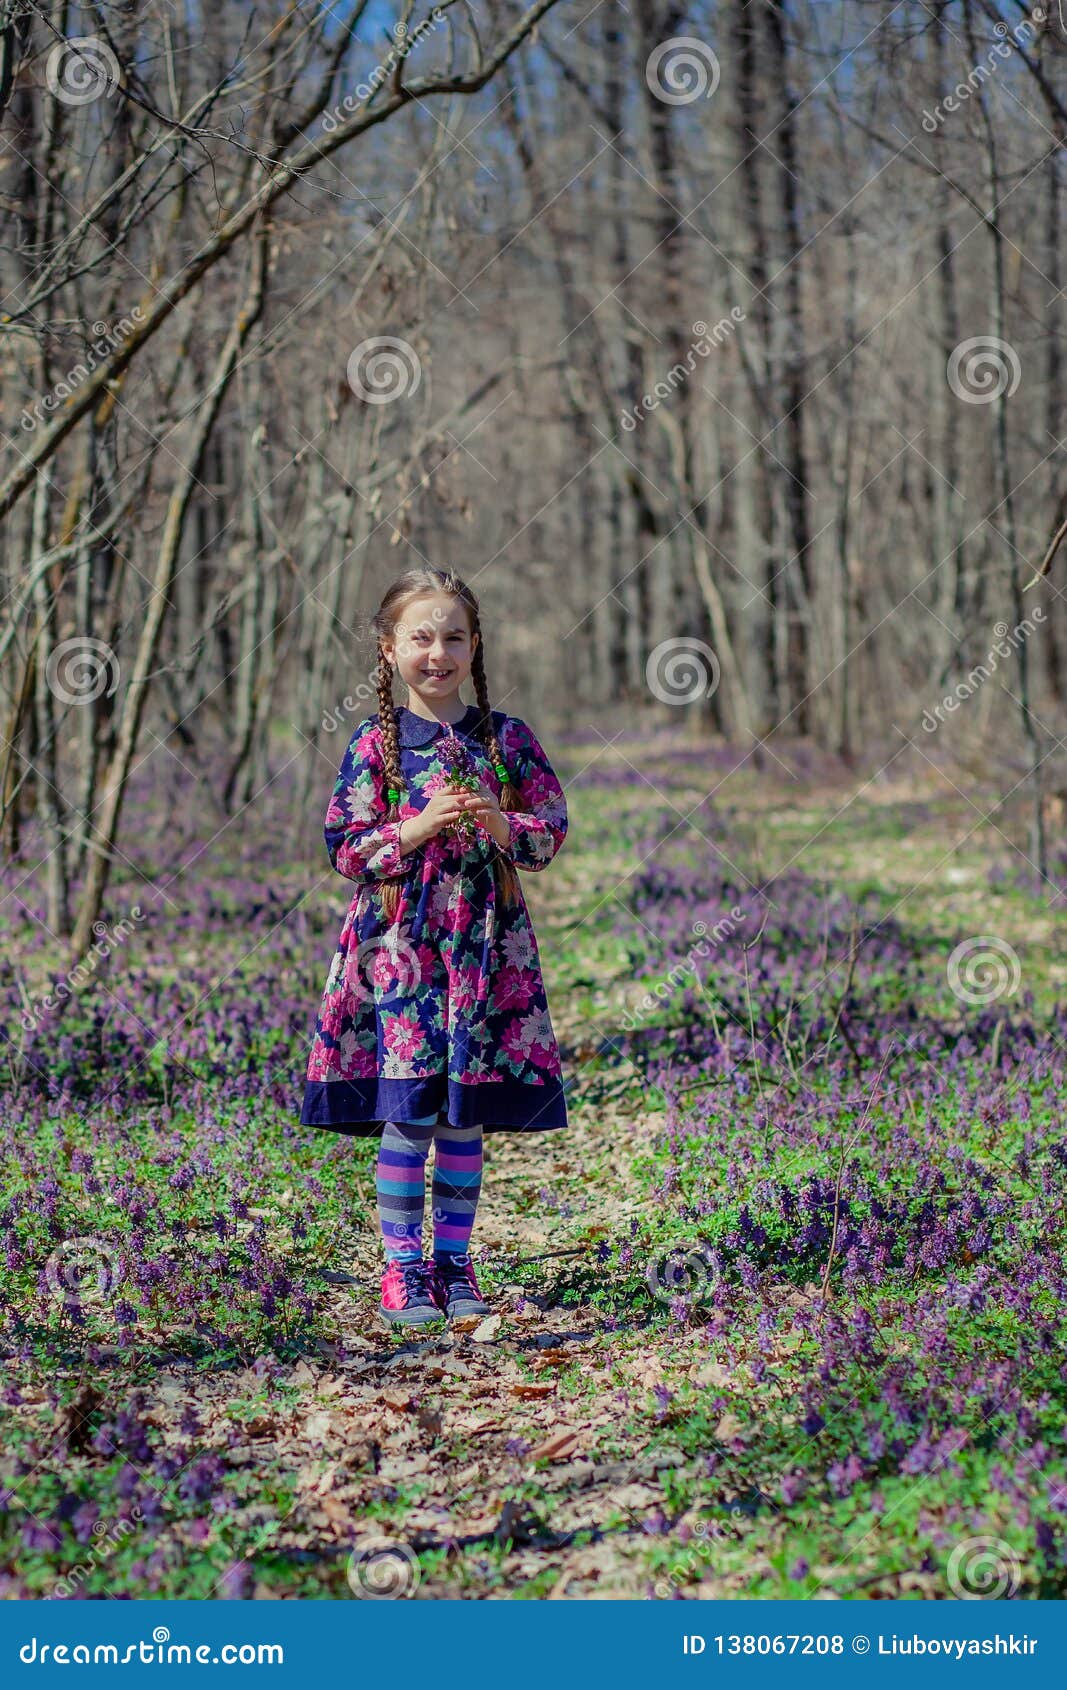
(485, 810)
(443, 810)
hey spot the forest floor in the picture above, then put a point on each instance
(834, 1399)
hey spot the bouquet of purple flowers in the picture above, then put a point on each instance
(461, 777)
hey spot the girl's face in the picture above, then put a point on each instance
(432, 649)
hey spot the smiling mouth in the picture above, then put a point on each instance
(437, 674)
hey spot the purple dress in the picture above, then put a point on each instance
(446, 1008)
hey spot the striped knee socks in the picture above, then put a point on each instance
(457, 1183)
(400, 1182)
(401, 1187)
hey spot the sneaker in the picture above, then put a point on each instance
(409, 1293)
(457, 1288)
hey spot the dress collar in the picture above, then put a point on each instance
(419, 730)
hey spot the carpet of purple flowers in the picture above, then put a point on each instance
(830, 1321)
(858, 1196)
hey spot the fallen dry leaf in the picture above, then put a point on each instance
(713, 1373)
(556, 1448)
(522, 1389)
(72, 1422)
(729, 1427)
(318, 1425)
(336, 1513)
(487, 1330)
(262, 1426)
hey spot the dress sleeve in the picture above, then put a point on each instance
(361, 844)
(536, 833)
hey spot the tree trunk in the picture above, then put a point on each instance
(799, 575)
(170, 547)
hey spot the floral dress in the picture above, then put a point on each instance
(445, 1009)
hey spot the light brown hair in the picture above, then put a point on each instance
(417, 583)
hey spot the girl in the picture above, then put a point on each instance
(434, 1024)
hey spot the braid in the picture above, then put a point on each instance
(390, 737)
(394, 780)
(510, 798)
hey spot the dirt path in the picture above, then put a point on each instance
(468, 1461)
(524, 1400)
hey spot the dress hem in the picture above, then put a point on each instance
(499, 1106)
(371, 1129)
